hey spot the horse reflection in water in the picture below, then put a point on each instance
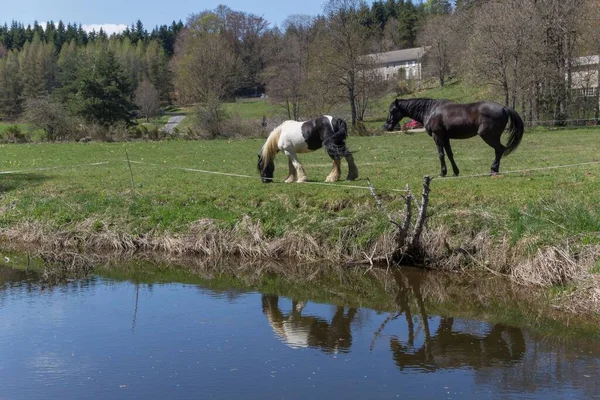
(298, 330)
(447, 347)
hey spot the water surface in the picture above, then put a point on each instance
(98, 338)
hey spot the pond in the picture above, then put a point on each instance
(100, 337)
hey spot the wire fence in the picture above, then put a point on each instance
(563, 123)
(257, 177)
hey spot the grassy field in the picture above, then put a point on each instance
(542, 205)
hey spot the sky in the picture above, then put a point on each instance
(114, 15)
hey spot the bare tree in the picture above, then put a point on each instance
(370, 84)
(438, 37)
(49, 116)
(147, 99)
(505, 46)
(348, 45)
(392, 40)
(206, 67)
(560, 21)
(288, 72)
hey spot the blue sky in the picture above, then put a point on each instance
(151, 12)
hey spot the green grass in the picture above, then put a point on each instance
(255, 109)
(545, 206)
(596, 268)
(5, 125)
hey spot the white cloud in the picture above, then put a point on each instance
(109, 29)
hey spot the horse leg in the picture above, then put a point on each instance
(292, 174)
(492, 138)
(298, 306)
(440, 146)
(450, 156)
(300, 173)
(352, 168)
(334, 175)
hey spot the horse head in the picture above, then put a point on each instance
(266, 170)
(395, 114)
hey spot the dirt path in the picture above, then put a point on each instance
(173, 122)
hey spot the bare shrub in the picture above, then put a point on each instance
(51, 117)
(147, 99)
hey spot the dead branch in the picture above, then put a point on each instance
(408, 246)
(422, 213)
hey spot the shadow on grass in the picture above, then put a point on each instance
(10, 182)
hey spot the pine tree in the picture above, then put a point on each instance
(439, 7)
(105, 96)
(36, 62)
(11, 87)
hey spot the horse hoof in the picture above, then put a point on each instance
(301, 180)
(289, 180)
(455, 175)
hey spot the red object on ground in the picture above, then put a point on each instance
(412, 124)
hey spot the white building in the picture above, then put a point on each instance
(409, 61)
(584, 76)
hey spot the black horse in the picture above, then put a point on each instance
(444, 120)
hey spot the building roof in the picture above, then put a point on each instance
(586, 60)
(400, 55)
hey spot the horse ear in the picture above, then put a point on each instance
(396, 103)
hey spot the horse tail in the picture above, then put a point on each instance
(271, 146)
(516, 131)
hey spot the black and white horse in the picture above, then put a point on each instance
(294, 137)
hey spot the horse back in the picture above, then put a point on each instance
(461, 121)
(314, 131)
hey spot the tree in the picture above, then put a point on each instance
(206, 67)
(348, 45)
(36, 62)
(147, 99)
(50, 117)
(371, 85)
(104, 96)
(505, 46)
(438, 36)
(11, 87)
(70, 68)
(409, 17)
(155, 64)
(438, 7)
(288, 71)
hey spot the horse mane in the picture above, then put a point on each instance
(271, 146)
(418, 108)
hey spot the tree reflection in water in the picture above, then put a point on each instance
(447, 347)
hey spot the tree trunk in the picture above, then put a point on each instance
(597, 97)
(352, 98)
